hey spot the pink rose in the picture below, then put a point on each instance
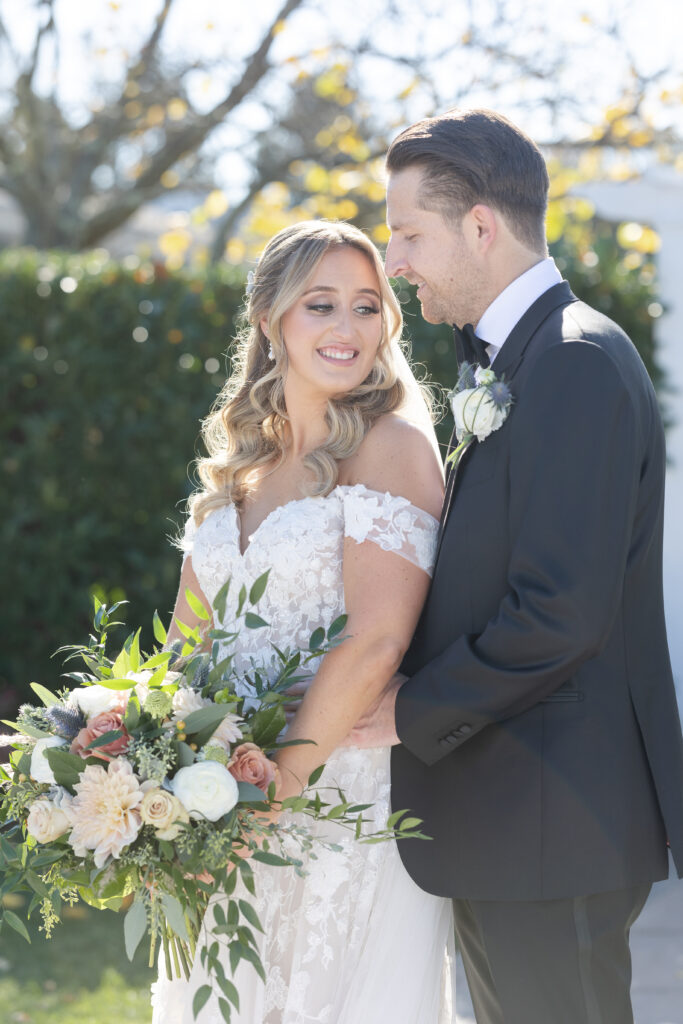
(250, 764)
(105, 721)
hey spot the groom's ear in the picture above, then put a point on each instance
(483, 226)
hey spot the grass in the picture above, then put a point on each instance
(80, 976)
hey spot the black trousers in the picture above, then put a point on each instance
(551, 961)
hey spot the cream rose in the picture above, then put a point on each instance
(206, 789)
(93, 700)
(46, 822)
(163, 811)
(40, 766)
(476, 413)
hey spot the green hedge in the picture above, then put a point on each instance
(105, 371)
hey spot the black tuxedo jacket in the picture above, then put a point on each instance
(540, 737)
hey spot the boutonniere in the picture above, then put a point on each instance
(479, 407)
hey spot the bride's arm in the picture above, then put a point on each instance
(383, 596)
(182, 609)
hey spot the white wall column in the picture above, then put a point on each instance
(656, 199)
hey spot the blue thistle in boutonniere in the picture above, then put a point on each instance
(480, 406)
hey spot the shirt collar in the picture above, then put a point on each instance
(512, 303)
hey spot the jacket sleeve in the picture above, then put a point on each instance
(574, 473)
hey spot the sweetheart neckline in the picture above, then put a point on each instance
(309, 497)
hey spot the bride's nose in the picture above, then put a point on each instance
(343, 325)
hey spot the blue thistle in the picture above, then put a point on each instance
(466, 378)
(67, 722)
(500, 394)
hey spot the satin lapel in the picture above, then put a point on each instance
(506, 366)
(525, 328)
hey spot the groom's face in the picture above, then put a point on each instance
(430, 252)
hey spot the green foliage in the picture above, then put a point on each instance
(97, 434)
(98, 431)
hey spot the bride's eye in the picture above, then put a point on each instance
(319, 307)
(367, 310)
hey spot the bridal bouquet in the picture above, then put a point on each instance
(148, 788)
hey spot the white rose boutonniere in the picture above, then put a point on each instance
(479, 407)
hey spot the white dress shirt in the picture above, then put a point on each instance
(513, 302)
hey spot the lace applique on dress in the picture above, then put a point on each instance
(392, 522)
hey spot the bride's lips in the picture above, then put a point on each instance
(338, 356)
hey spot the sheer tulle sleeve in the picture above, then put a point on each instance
(392, 522)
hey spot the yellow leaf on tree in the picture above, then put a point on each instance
(174, 242)
(316, 179)
(381, 234)
(216, 203)
(156, 114)
(177, 109)
(170, 179)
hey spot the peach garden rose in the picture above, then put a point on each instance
(250, 764)
(98, 725)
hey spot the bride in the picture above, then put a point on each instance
(323, 468)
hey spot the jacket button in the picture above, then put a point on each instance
(464, 729)
(445, 742)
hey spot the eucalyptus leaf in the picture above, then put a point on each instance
(66, 767)
(27, 730)
(134, 927)
(201, 998)
(258, 587)
(204, 718)
(104, 739)
(174, 915)
(159, 628)
(337, 627)
(317, 638)
(220, 600)
(252, 621)
(250, 794)
(47, 698)
(197, 605)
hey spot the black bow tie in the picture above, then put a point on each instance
(469, 348)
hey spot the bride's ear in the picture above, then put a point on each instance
(263, 324)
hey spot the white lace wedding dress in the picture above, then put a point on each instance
(354, 941)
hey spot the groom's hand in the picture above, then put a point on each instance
(377, 727)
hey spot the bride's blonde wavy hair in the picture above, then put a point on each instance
(246, 426)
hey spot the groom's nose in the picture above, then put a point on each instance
(395, 263)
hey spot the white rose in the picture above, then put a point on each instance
(185, 701)
(46, 822)
(92, 700)
(206, 790)
(475, 413)
(40, 766)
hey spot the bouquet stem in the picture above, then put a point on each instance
(167, 953)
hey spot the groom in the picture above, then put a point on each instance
(540, 738)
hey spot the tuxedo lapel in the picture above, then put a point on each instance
(505, 366)
(521, 334)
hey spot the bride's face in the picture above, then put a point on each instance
(333, 330)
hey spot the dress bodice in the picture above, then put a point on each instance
(302, 544)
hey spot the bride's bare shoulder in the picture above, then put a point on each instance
(401, 457)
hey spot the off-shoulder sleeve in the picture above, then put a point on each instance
(392, 522)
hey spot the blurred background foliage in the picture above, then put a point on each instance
(106, 370)
(148, 148)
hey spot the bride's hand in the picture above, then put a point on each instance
(377, 727)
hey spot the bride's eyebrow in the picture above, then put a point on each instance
(329, 288)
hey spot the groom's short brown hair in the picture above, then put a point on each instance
(477, 156)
